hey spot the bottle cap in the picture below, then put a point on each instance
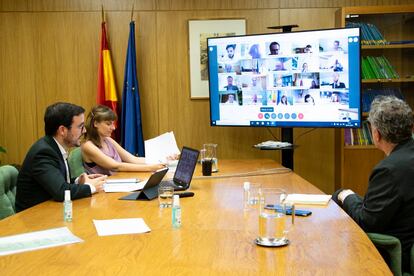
(176, 200)
(67, 195)
(246, 185)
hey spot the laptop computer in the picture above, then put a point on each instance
(150, 189)
(185, 169)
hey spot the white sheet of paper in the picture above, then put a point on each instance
(120, 226)
(123, 187)
(123, 180)
(159, 148)
(308, 199)
(37, 240)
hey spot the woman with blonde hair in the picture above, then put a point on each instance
(101, 153)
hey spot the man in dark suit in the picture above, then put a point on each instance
(230, 86)
(44, 174)
(336, 83)
(388, 205)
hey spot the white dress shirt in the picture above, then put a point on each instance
(65, 159)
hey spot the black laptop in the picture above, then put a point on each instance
(185, 170)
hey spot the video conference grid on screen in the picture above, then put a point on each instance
(309, 79)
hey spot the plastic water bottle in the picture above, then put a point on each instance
(246, 195)
(176, 212)
(67, 207)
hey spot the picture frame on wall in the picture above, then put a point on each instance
(199, 31)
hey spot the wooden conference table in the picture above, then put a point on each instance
(216, 236)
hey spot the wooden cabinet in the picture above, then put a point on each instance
(353, 163)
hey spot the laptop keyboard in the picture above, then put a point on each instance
(171, 183)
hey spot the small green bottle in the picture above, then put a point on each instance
(67, 207)
(176, 212)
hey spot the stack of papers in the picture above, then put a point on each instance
(123, 185)
(311, 199)
(122, 180)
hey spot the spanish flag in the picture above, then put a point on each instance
(106, 94)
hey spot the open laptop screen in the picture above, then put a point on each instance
(186, 165)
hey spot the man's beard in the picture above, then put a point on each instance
(71, 142)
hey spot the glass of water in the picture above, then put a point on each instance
(274, 224)
(165, 196)
(254, 194)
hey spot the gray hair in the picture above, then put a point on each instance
(392, 117)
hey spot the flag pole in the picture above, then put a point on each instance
(132, 13)
(103, 14)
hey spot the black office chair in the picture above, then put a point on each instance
(392, 246)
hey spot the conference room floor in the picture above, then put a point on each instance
(216, 237)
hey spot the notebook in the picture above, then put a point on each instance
(312, 199)
(185, 170)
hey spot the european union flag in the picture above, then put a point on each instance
(131, 127)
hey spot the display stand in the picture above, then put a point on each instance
(287, 154)
(285, 28)
(287, 132)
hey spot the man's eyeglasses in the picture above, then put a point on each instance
(80, 127)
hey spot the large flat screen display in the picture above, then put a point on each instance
(298, 79)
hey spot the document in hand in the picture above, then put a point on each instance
(312, 199)
(159, 148)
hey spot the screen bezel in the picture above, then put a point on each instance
(180, 181)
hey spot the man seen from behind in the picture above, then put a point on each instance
(388, 205)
